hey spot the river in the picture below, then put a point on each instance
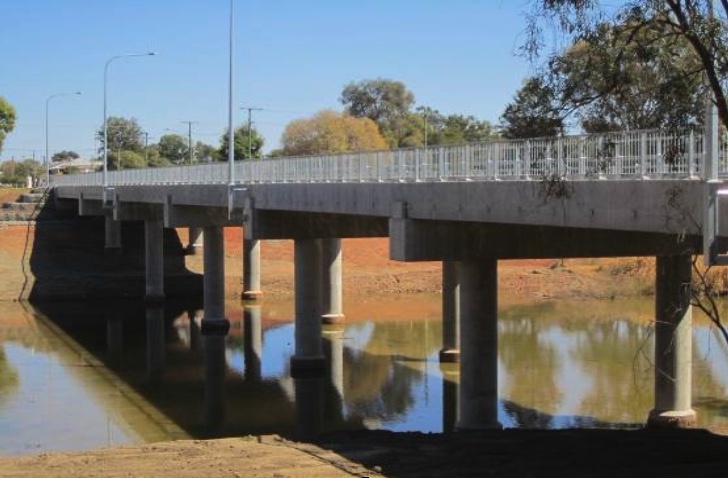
(83, 375)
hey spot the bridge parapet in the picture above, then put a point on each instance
(646, 154)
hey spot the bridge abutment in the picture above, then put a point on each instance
(478, 345)
(309, 355)
(673, 344)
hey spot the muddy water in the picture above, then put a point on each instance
(109, 374)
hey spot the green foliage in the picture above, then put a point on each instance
(248, 144)
(533, 113)
(174, 148)
(386, 102)
(129, 160)
(452, 129)
(7, 120)
(331, 132)
(615, 84)
(153, 159)
(16, 172)
(646, 53)
(64, 156)
(124, 134)
(205, 153)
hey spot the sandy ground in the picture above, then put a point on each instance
(368, 272)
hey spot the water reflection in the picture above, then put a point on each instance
(54, 395)
(558, 367)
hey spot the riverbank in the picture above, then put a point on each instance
(508, 453)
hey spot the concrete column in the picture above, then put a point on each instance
(112, 234)
(195, 241)
(333, 311)
(214, 321)
(155, 344)
(673, 344)
(154, 255)
(450, 313)
(215, 370)
(251, 270)
(252, 342)
(479, 345)
(307, 271)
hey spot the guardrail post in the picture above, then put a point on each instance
(468, 152)
(417, 165)
(643, 155)
(496, 160)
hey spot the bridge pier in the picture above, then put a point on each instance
(309, 355)
(479, 345)
(194, 244)
(112, 234)
(251, 270)
(331, 276)
(450, 313)
(154, 260)
(673, 344)
(214, 321)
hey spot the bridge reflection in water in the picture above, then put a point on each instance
(559, 366)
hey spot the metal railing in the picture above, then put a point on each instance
(648, 154)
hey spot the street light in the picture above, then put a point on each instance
(231, 133)
(48, 158)
(106, 142)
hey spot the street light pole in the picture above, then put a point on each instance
(47, 152)
(106, 132)
(250, 129)
(231, 133)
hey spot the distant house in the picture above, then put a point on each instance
(75, 166)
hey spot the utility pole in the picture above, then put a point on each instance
(146, 149)
(250, 131)
(189, 137)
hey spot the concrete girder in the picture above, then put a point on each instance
(196, 216)
(419, 240)
(297, 225)
(133, 211)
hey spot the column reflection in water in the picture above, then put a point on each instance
(195, 319)
(334, 397)
(215, 368)
(450, 398)
(115, 338)
(252, 342)
(309, 404)
(155, 344)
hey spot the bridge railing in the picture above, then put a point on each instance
(648, 154)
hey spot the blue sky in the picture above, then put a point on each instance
(292, 58)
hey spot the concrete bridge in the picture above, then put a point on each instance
(641, 193)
